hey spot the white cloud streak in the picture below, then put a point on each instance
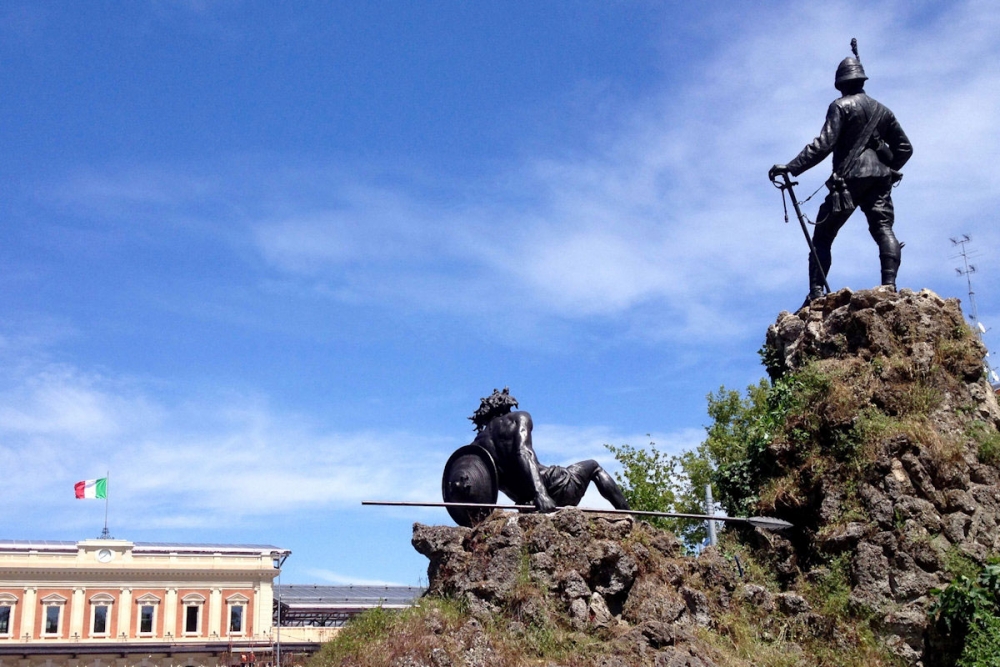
(665, 221)
(667, 217)
(218, 461)
(346, 580)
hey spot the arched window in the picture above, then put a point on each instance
(193, 604)
(237, 614)
(7, 604)
(100, 614)
(53, 614)
(147, 605)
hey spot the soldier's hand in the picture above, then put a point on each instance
(776, 170)
(544, 503)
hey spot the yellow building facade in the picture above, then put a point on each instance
(115, 603)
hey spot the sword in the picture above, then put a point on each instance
(765, 522)
(787, 185)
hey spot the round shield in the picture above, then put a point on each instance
(470, 476)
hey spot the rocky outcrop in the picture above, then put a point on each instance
(624, 584)
(915, 498)
(613, 576)
(886, 464)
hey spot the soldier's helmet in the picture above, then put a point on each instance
(850, 69)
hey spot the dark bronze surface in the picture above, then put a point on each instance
(506, 437)
(470, 476)
(869, 148)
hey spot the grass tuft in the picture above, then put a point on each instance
(988, 440)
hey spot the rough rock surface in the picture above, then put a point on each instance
(624, 582)
(886, 473)
(926, 498)
(588, 571)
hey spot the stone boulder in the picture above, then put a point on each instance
(917, 497)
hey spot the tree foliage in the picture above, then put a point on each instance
(738, 438)
(731, 459)
(654, 481)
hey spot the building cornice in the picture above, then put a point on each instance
(54, 548)
(89, 570)
(132, 647)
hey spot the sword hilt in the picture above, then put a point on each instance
(788, 182)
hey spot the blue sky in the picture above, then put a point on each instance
(261, 260)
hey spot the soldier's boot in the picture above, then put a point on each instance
(890, 267)
(814, 293)
(816, 283)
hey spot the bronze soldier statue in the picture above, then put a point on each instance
(869, 148)
(502, 458)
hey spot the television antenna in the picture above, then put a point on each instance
(966, 270)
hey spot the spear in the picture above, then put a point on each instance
(766, 522)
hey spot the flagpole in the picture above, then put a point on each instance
(107, 494)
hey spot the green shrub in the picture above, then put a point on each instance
(833, 589)
(741, 431)
(982, 645)
(967, 612)
(653, 481)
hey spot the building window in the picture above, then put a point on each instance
(191, 621)
(237, 613)
(6, 616)
(236, 619)
(100, 614)
(100, 620)
(52, 605)
(191, 617)
(146, 614)
(52, 615)
(7, 602)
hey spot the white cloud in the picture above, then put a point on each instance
(563, 444)
(676, 211)
(346, 580)
(665, 217)
(217, 460)
(58, 401)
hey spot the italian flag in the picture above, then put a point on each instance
(92, 488)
